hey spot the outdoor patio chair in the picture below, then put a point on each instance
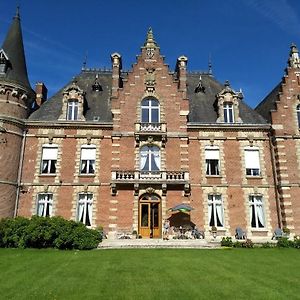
(277, 233)
(198, 234)
(240, 234)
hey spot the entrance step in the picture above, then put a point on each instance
(157, 243)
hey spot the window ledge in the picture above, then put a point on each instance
(48, 175)
(213, 176)
(86, 175)
(254, 177)
(259, 230)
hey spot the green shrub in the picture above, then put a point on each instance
(226, 242)
(247, 244)
(237, 244)
(297, 242)
(284, 242)
(268, 245)
(42, 232)
(13, 232)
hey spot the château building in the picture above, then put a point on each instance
(119, 149)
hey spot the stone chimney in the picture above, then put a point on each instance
(181, 73)
(41, 93)
(116, 73)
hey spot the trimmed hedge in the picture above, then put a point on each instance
(40, 232)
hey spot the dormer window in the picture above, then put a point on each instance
(228, 112)
(72, 111)
(227, 104)
(150, 111)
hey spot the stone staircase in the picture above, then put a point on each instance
(157, 243)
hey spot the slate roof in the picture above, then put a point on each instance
(98, 102)
(268, 104)
(14, 49)
(202, 110)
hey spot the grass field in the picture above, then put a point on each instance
(150, 274)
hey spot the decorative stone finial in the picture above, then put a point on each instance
(150, 42)
(294, 61)
(227, 84)
(17, 16)
(200, 87)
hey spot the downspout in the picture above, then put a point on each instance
(279, 217)
(20, 172)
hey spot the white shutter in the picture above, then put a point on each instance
(211, 153)
(88, 153)
(252, 159)
(50, 153)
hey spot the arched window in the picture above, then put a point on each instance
(298, 114)
(150, 158)
(228, 112)
(72, 111)
(150, 111)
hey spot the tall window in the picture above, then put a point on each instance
(228, 112)
(72, 110)
(298, 114)
(252, 162)
(212, 161)
(215, 211)
(257, 217)
(87, 161)
(150, 111)
(49, 159)
(150, 158)
(44, 204)
(85, 206)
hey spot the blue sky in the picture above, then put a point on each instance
(248, 40)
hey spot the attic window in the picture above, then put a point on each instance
(96, 87)
(3, 62)
(200, 87)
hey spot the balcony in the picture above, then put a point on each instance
(151, 128)
(163, 178)
(155, 131)
(141, 176)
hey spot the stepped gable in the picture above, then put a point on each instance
(14, 50)
(268, 104)
(202, 101)
(96, 85)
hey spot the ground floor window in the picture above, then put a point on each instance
(257, 217)
(44, 205)
(215, 210)
(85, 206)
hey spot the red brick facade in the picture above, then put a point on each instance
(129, 195)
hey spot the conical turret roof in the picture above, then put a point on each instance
(14, 49)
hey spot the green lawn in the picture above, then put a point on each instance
(150, 274)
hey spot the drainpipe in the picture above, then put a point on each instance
(20, 172)
(279, 217)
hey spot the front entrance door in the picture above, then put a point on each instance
(149, 216)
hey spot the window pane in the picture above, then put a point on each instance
(144, 220)
(145, 115)
(154, 116)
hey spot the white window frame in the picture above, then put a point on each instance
(44, 204)
(150, 155)
(228, 111)
(87, 162)
(252, 161)
(256, 211)
(151, 107)
(85, 208)
(212, 155)
(49, 159)
(72, 110)
(215, 210)
(298, 114)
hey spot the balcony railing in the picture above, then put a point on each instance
(151, 127)
(179, 177)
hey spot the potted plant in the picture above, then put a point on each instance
(214, 231)
(286, 231)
